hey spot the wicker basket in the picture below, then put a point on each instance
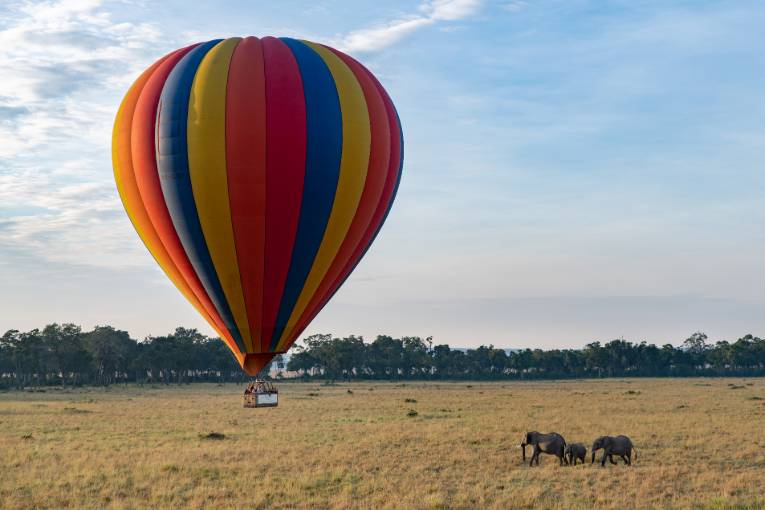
(264, 399)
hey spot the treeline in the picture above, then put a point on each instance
(415, 358)
(64, 354)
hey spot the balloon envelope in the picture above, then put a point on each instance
(257, 172)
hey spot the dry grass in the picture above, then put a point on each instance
(700, 445)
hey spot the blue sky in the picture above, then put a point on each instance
(575, 170)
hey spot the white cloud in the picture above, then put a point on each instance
(450, 10)
(56, 51)
(50, 216)
(515, 5)
(372, 39)
(386, 34)
(64, 66)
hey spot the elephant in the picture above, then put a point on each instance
(551, 444)
(574, 452)
(619, 445)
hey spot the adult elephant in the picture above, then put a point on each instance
(618, 445)
(551, 444)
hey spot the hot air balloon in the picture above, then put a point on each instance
(257, 172)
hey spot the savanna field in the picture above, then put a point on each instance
(700, 444)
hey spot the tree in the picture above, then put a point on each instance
(416, 355)
(68, 350)
(385, 357)
(696, 347)
(302, 360)
(696, 343)
(9, 361)
(32, 357)
(110, 350)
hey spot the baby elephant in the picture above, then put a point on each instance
(574, 452)
(551, 444)
(618, 445)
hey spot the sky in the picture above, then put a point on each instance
(575, 170)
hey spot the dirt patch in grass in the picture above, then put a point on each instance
(74, 410)
(213, 436)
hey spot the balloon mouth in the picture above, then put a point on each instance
(254, 362)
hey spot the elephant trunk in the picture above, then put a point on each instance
(523, 450)
(593, 457)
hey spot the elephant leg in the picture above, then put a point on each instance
(611, 459)
(629, 457)
(624, 458)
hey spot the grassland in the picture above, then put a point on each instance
(701, 444)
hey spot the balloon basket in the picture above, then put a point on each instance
(265, 396)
